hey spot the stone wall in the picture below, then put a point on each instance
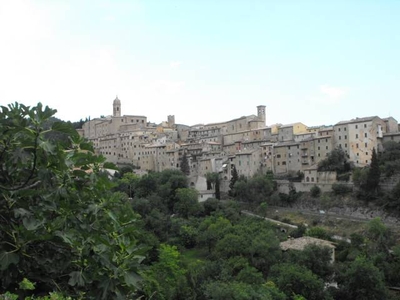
(283, 186)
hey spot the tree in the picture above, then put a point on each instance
(128, 183)
(315, 191)
(321, 267)
(293, 279)
(187, 203)
(234, 178)
(166, 278)
(185, 168)
(374, 173)
(362, 280)
(336, 160)
(61, 226)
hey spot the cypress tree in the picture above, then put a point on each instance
(374, 173)
(185, 164)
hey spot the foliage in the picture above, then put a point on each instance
(211, 205)
(389, 159)
(254, 190)
(318, 232)
(184, 166)
(341, 189)
(362, 280)
(234, 178)
(61, 227)
(297, 280)
(374, 173)
(336, 160)
(315, 258)
(187, 204)
(242, 291)
(379, 235)
(315, 191)
(393, 197)
(166, 278)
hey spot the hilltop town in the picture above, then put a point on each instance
(246, 143)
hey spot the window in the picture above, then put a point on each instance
(356, 126)
(345, 137)
(345, 145)
(356, 135)
(340, 137)
(319, 148)
(358, 154)
(356, 145)
(319, 141)
(345, 129)
(365, 125)
(366, 134)
(366, 145)
(284, 163)
(366, 153)
(339, 129)
(326, 147)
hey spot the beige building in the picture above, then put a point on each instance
(246, 143)
(358, 137)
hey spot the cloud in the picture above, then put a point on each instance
(175, 64)
(334, 93)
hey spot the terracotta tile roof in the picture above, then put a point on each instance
(301, 243)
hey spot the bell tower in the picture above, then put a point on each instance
(261, 112)
(117, 107)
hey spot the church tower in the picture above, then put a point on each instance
(117, 107)
(261, 112)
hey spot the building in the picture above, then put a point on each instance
(245, 142)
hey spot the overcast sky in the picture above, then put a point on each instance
(316, 62)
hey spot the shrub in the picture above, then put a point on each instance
(315, 191)
(341, 189)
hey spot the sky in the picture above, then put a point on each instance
(315, 62)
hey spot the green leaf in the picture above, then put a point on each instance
(31, 223)
(47, 146)
(132, 279)
(65, 128)
(8, 258)
(76, 278)
(108, 165)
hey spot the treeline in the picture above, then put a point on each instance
(70, 230)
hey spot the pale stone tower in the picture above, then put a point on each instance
(261, 112)
(171, 121)
(117, 107)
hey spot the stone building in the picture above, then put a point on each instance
(245, 142)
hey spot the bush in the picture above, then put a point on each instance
(315, 191)
(341, 189)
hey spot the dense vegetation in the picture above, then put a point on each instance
(70, 229)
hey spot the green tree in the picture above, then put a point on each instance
(61, 226)
(374, 173)
(184, 166)
(321, 267)
(187, 203)
(293, 279)
(218, 290)
(166, 278)
(336, 160)
(362, 280)
(315, 191)
(234, 178)
(128, 183)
